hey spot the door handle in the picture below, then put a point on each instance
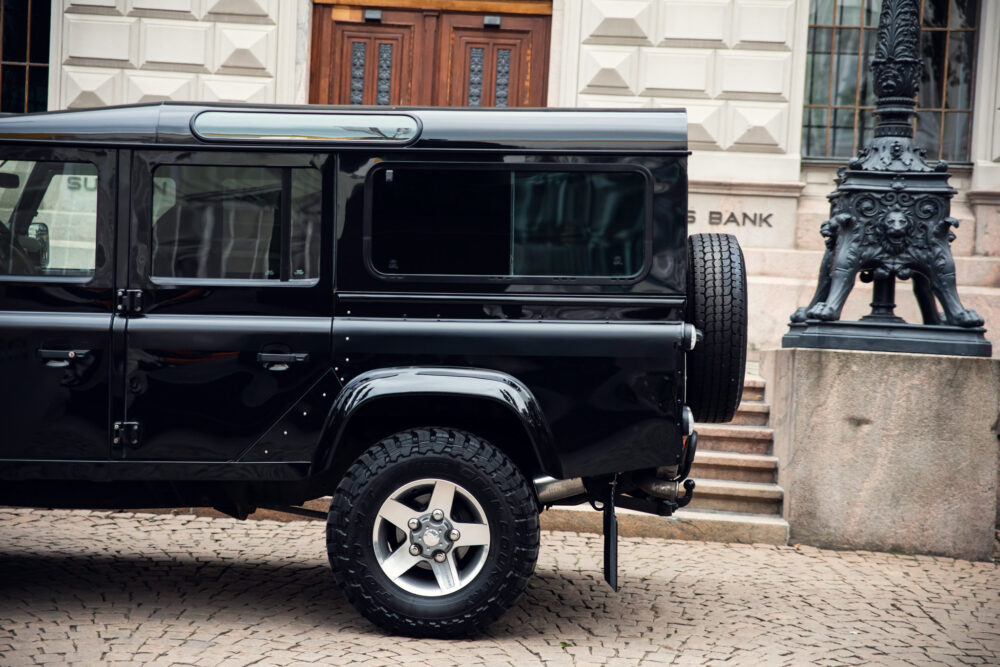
(274, 361)
(61, 358)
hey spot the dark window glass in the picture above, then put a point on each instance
(226, 223)
(484, 222)
(24, 55)
(48, 218)
(842, 37)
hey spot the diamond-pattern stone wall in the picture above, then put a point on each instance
(123, 51)
(729, 62)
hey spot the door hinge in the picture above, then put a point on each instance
(129, 302)
(125, 434)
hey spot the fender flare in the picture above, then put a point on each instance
(425, 381)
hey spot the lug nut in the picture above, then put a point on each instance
(439, 557)
(437, 515)
(413, 524)
(414, 550)
(453, 535)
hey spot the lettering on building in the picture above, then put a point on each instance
(732, 218)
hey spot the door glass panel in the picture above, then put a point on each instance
(384, 87)
(358, 72)
(226, 223)
(502, 78)
(476, 77)
(48, 218)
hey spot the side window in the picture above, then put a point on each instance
(48, 218)
(236, 223)
(506, 223)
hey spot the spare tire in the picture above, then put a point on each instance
(717, 306)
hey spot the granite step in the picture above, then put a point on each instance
(730, 438)
(761, 468)
(723, 495)
(753, 388)
(752, 413)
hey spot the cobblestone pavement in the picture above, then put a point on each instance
(99, 587)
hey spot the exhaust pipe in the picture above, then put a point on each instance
(551, 490)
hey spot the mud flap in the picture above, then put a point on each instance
(611, 540)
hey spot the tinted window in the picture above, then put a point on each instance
(236, 223)
(494, 222)
(48, 218)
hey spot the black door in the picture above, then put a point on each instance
(56, 271)
(231, 307)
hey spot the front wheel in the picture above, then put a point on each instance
(433, 532)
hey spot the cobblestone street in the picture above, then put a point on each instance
(97, 587)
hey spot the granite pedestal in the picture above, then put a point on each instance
(885, 451)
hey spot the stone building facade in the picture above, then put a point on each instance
(737, 66)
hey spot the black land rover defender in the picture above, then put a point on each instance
(446, 319)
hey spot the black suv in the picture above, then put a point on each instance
(446, 319)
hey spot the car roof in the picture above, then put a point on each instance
(438, 128)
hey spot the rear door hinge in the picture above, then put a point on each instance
(125, 434)
(129, 302)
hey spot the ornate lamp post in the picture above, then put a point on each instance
(890, 218)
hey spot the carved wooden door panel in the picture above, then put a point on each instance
(427, 56)
(358, 62)
(492, 66)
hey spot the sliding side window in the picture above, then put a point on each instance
(509, 222)
(236, 223)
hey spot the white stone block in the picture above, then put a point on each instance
(758, 126)
(764, 24)
(255, 8)
(687, 72)
(609, 68)
(104, 6)
(705, 124)
(106, 38)
(224, 88)
(90, 87)
(612, 102)
(620, 20)
(245, 47)
(158, 87)
(184, 8)
(695, 21)
(754, 74)
(176, 43)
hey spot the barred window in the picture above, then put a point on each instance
(839, 92)
(24, 55)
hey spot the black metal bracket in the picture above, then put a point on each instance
(611, 537)
(125, 433)
(129, 302)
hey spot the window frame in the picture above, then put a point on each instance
(647, 208)
(939, 111)
(104, 221)
(142, 207)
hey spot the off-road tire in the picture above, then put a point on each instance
(497, 484)
(717, 306)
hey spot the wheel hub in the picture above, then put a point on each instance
(433, 534)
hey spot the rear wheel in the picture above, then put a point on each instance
(433, 532)
(717, 306)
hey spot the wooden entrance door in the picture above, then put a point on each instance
(426, 54)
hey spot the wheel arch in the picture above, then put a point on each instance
(492, 405)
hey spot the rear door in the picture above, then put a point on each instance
(230, 300)
(57, 210)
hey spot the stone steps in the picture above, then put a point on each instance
(734, 466)
(730, 438)
(724, 495)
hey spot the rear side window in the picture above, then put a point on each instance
(236, 223)
(507, 222)
(48, 218)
